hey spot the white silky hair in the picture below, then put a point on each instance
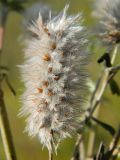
(55, 78)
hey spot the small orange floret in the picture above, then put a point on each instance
(39, 110)
(62, 98)
(62, 53)
(59, 34)
(56, 78)
(40, 90)
(49, 69)
(46, 57)
(53, 46)
(66, 114)
(45, 83)
(50, 92)
(51, 132)
(46, 102)
(47, 31)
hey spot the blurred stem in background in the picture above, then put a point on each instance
(96, 99)
(3, 17)
(4, 122)
(5, 131)
(5, 7)
(93, 111)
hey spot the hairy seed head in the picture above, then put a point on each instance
(55, 75)
(108, 13)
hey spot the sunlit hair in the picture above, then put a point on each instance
(54, 73)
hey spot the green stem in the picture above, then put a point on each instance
(4, 122)
(79, 153)
(50, 156)
(96, 99)
(5, 131)
(102, 83)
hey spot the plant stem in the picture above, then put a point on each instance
(116, 68)
(114, 54)
(114, 142)
(79, 153)
(5, 131)
(101, 85)
(1, 37)
(91, 139)
(51, 150)
(4, 122)
(95, 102)
(50, 155)
(96, 99)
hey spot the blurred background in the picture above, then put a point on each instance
(27, 148)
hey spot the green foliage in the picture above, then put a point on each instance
(16, 5)
(115, 89)
(104, 125)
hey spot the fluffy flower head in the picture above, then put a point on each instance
(108, 12)
(54, 74)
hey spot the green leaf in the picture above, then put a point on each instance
(107, 127)
(105, 57)
(114, 87)
(3, 1)
(15, 5)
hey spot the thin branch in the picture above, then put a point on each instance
(114, 143)
(101, 85)
(4, 122)
(50, 155)
(100, 154)
(114, 69)
(116, 153)
(1, 36)
(10, 86)
(5, 131)
(114, 54)
(51, 150)
(79, 149)
(97, 96)
(91, 138)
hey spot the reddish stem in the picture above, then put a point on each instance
(2, 30)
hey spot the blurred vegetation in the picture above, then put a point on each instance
(27, 148)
